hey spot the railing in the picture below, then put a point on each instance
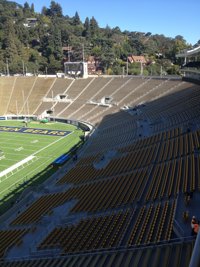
(47, 255)
(195, 259)
(178, 229)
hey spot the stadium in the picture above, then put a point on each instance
(126, 195)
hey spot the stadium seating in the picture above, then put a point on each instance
(122, 202)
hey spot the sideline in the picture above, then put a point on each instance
(15, 166)
(29, 158)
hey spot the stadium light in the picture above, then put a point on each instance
(83, 52)
(161, 71)
(8, 73)
(68, 53)
(23, 67)
(141, 68)
(123, 69)
(127, 66)
(53, 109)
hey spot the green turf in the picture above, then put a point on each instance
(45, 149)
(34, 124)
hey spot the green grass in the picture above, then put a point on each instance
(44, 148)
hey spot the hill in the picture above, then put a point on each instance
(41, 42)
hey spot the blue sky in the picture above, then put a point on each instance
(169, 17)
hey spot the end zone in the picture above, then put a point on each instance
(34, 131)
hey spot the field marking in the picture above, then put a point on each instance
(51, 144)
(2, 157)
(19, 148)
(30, 172)
(15, 166)
(34, 141)
(20, 163)
(22, 179)
(32, 150)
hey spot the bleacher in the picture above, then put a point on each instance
(171, 255)
(192, 64)
(123, 202)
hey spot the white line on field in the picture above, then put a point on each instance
(15, 166)
(51, 144)
(6, 171)
(22, 179)
(43, 163)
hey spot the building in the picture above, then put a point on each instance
(30, 22)
(139, 59)
(93, 66)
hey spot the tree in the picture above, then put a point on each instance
(26, 6)
(9, 42)
(32, 8)
(54, 65)
(118, 67)
(76, 19)
(96, 51)
(108, 32)
(108, 58)
(27, 11)
(57, 43)
(116, 30)
(178, 46)
(65, 34)
(173, 69)
(55, 9)
(42, 44)
(94, 28)
(86, 31)
(137, 45)
(45, 11)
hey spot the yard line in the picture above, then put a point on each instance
(44, 162)
(22, 179)
(51, 144)
(42, 142)
(6, 171)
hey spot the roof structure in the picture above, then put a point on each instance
(188, 53)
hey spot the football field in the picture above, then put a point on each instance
(28, 151)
